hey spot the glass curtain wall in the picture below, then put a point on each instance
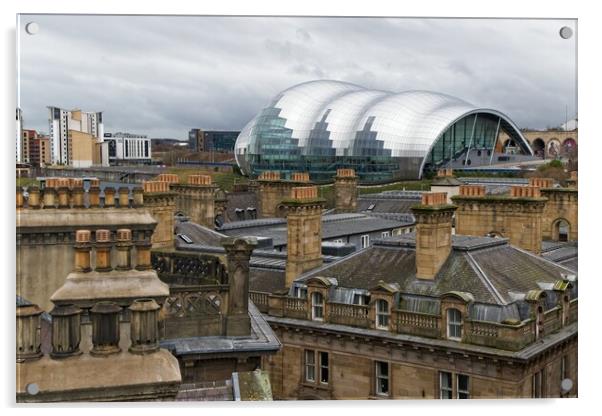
(453, 144)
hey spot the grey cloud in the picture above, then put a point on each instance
(164, 75)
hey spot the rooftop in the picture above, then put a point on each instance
(335, 225)
(493, 271)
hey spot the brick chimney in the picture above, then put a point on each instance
(433, 233)
(302, 177)
(541, 182)
(304, 231)
(345, 191)
(144, 329)
(168, 177)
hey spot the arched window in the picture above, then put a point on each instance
(382, 314)
(317, 306)
(454, 324)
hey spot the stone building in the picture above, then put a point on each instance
(46, 223)
(484, 320)
(105, 316)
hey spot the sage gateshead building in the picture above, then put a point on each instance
(319, 126)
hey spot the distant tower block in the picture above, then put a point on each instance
(304, 231)
(161, 202)
(517, 216)
(433, 233)
(345, 191)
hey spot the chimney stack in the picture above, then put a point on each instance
(304, 231)
(525, 192)
(33, 201)
(300, 177)
(103, 251)
(66, 332)
(94, 196)
(28, 333)
(138, 201)
(345, 191)
(63, 197)
(77, 197)
(82, 251)
(168, 177)
(105, 328)
(109, 197)
(124, 246)
(144, 330)
(541, 182)
(49, 197)
(433, 233)
(124, 197)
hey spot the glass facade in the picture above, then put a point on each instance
(320, 126)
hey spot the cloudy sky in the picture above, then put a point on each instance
(162, 76)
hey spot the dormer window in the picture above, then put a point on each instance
(317, 306)
(382, 314)
(359, 299)
(454, 324)
(300, 292)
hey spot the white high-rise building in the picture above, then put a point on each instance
(60, 121)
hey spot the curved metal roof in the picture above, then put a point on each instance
(407, 123)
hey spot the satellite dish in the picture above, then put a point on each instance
(566, 385)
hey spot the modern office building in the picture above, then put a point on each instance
(61, 121)
(212, 140)
(320, 126)
(126, 148)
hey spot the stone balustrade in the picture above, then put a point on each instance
(508, 336)
(346, 314)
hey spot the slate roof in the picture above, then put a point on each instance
(489, 268)
(390, 202)
(239, 200)
(564, 253)
(267, 280)
(198, 234)
(336, 225)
